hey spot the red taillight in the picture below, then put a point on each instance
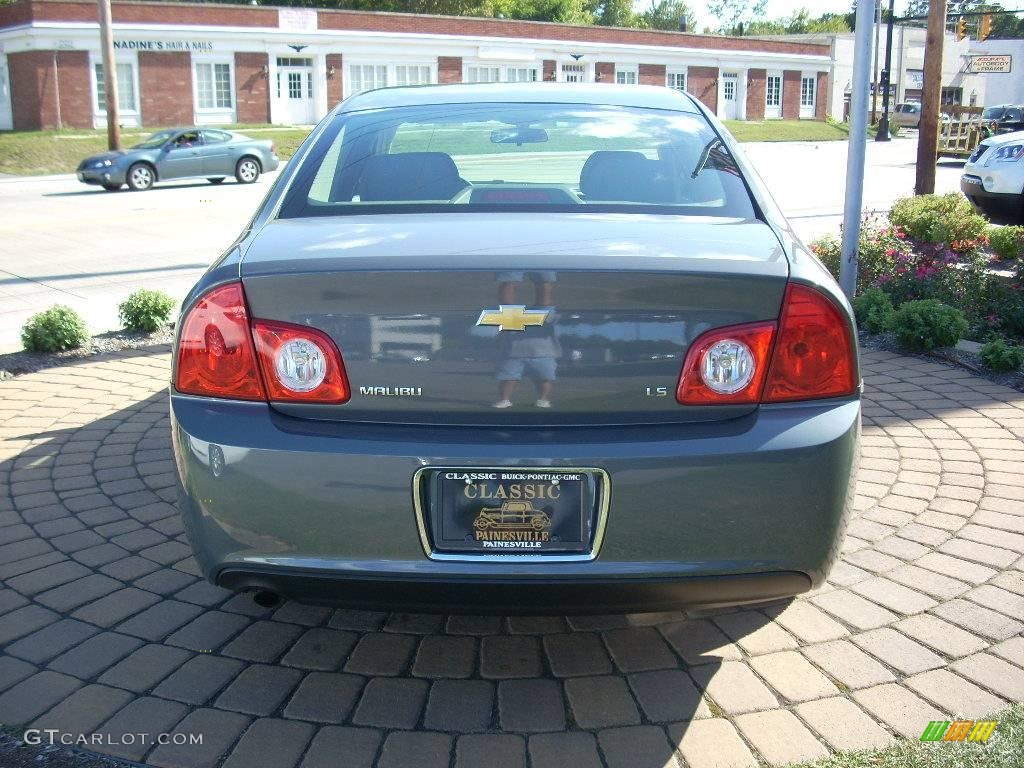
(217, 356)
(695, 389)
(814, 353)
(808, 354)
(300, 364)
(273, 148)
(215, 351)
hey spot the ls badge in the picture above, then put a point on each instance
(513, 317)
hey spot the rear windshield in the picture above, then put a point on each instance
(567, 157)
(993, 113)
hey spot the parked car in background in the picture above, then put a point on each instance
(517, 347)
(1005, 118)
(993, 178)
(181, 153)
(907, 115)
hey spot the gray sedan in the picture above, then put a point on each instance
(181, 153)
(527, 347)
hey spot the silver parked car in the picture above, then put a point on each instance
(181, 153)
(516, 348)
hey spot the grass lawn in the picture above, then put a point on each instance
(1004, 749)
(38, 152)
(785, 130)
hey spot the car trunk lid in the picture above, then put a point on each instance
(441, 318)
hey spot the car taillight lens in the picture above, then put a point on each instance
(726, 365)
(220, 354)
(814, 353)
(215, 350)
(808, 354)
(300, 364)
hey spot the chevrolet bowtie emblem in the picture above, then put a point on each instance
(513, 317)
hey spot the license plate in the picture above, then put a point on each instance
(511, 511)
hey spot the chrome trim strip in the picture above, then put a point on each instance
(604, 498)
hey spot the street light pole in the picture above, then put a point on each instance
(109, 76)
(857, 147)
(883, 125)
(874, 66)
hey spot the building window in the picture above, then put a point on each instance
(676, 79)
(366, 77)
(412, 74)
(213, 85)
(625, 76)
(125, 87)
(483, 74)
(501, 73)
(808, 86)
(520, 75)
(574, 73)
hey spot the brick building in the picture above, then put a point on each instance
(209, 64)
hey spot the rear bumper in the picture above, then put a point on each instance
(511, 596)
(745, 510)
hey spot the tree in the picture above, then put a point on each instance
(615, 13)
(665, 14)
(732, 13)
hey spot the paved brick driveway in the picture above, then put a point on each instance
(105, 627)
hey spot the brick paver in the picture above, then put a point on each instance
(106, 626)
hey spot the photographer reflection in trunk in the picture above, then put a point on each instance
(534, 350)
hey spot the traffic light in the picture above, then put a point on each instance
(985, 27)
(961, 28)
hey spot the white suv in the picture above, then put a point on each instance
(993, 177)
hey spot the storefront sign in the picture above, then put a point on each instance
(297, 19)
(915, 78)
(998, 63)
(199, 46)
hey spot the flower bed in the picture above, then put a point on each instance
(936, 252)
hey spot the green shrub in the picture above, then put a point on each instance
(54, 330)
(145, 310)
(1007, 242)
(928, 324)
(874, 310)
(1002, 357)
(946, 219)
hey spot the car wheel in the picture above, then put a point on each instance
(247, 170)
(111, 187)
(217, 180)
(140, 177)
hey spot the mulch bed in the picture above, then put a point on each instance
(15, 363)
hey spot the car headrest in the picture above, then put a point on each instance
(409, 176)
(618, 175)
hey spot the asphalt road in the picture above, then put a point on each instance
(67, 243)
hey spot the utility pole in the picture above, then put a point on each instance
(931, 98)
(109, 76)
(857, 147)
(883, 125)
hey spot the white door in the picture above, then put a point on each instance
(730, 95)
(773, 96)
(6, 118)
(574, 73)
(295, 90)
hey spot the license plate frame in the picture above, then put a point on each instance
(468, 527)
